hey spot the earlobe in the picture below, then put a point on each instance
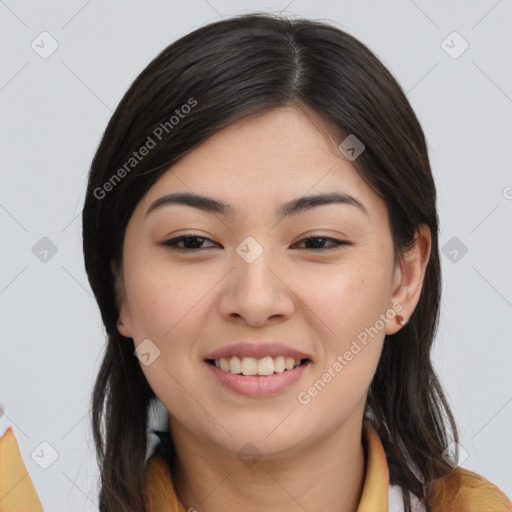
(122, 329)
(410, 274)
(124, 322)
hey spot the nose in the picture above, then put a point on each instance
(256, 291)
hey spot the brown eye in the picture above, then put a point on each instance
(317, 241)
(191, 243)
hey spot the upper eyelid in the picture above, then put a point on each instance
(340, 236)
(196, 235)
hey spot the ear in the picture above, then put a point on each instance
(124, 322)
(408, 277)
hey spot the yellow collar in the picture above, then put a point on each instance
(376, 484)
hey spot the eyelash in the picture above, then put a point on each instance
(172, 243)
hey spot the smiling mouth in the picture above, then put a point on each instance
(251, 366)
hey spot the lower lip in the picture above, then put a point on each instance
(255, 386)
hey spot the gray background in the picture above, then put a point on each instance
(54, 110)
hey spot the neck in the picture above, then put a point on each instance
(329, 475)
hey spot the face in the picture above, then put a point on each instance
(250, 293)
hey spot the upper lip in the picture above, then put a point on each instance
(257, 350)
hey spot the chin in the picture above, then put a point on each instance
(277, 440)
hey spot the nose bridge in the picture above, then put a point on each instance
(252, 262)
(255, 290)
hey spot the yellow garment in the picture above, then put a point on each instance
(17, 493)
(461, 491)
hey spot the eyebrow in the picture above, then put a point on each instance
(293, 207)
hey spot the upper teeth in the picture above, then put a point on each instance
(252, 366)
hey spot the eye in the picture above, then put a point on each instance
(194, 242)
(319, 240)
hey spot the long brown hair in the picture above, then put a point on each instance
(223, 72)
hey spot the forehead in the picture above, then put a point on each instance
(264, 160)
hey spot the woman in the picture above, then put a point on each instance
(261, 235)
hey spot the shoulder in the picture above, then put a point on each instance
(465, 491)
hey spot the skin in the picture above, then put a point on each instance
(316, 300)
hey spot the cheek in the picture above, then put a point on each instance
(351, 334)
(346, 300)
(165, 304)
(347, 306)
(170, 305)
(350, 304)
(162, 297)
